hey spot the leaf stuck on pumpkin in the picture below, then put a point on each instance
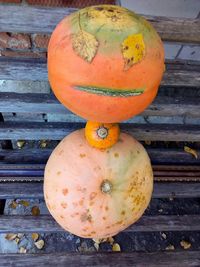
(191, 151)
(133, 50)
(85, 45)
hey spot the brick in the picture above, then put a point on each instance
(4, 37)
(190, 52)
(170, 8)
(64, 3)
(14, 40)
(22, 54)
(41, 40)
(19, 41)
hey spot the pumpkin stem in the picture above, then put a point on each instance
(106, 187)
(102, 132)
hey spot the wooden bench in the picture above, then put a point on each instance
(177, 173)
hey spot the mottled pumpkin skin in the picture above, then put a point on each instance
(74, 174)
(101, 82)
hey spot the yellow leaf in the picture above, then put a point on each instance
(35, 236)
(24, 203)
(133, 50)
(185, 244)
(191, 151)
(17, 240)
(116, 247)
(39, 244)
(20, 143)
(10, 237)
(164, 235)
(85, 45)
(35, 211)
(96, 245)
(147, 142)
(43, 143)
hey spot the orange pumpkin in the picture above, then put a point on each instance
(94, 193)
(102, 135)
(105, 63)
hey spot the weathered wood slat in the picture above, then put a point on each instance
(161, 190)
(178, 74)
(45, 223)
(56, 131)
(47, 103)
(44, 20)
(104, 259)
(157, 155)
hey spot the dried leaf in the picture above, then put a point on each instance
(20, 235)
(35, 211)
(85, 45)
(164, 235)
(22, 250)
(133, 50)
(147, 142)
(17, 240)
(43, 143)
(170, 247)
(111, 240)
(39, 244)
(35, 236)
(96, 245)
(13, 204)
(10, 237)
(20, 143)
(185, 244)
(191, 151)
(24, 203)
(116, 247)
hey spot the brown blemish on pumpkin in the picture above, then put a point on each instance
(61, 152)
(58, 173)
(120, 140)
(93, 195)
(116, 155)
(138, 152)
(104, 218)
(80, 202)
(65, 191)
(85, 229)
(64, 205)
(46, 197)
(93, 233)
(120, 222)
(82, 155)
(62, 217)
(86, 217)
(91, 203)
(107, 227)
(106, 208)
(123, 212)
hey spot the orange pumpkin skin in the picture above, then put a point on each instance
(96, 89)
(94, 193)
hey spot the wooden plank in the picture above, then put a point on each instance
(161, 190)
(104, 259)
(57, 130)
(44, 20)
(47, 103)
(10, 69)
(45, 223)
(40, 156)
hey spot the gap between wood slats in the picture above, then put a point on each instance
(157, 156)
(45, 223)
(57, 131)
(39, 20)
(161, 190)
(46, 103)
(12, 69)
(104, 259)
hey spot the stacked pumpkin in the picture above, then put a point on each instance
(105, 64)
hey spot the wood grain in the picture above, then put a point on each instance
(35, 189)
(57, 131)
(47, 103)
(44, 20)
(176, 74)
(46, 223)
(157, 156)
(104, 259)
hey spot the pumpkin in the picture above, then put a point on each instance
(105, 63)
(102, 135)
(93, 193)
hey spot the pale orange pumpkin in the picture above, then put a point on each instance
(94, 193)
